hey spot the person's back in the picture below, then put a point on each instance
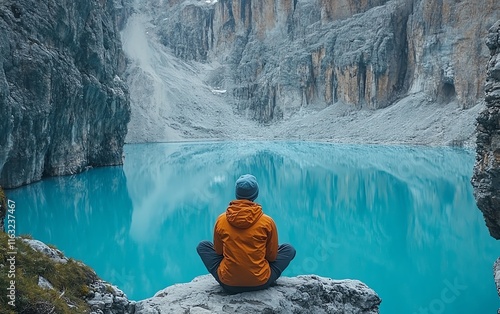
(249, 242)
(245, 255)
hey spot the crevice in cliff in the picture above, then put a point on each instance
(361, 80)
(250, 16)
(210, 25)
(243, 6)
(402, 44)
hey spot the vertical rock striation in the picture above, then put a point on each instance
(62, 102)
(446, 53)
(280, 56)
(486, 177)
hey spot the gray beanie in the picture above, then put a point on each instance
(247, 187)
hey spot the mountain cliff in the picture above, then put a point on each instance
(63, 104)
(275, 58)
(283, 55)
(486, 177)
(378, 71)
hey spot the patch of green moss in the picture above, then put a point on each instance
(70, 281)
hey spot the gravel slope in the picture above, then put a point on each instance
(173, 100)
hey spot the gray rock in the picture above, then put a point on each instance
(54, 254)
(44, 283)
(96, 305)
(301, 294)
(108, 299)
(486, 175)
(62, 102)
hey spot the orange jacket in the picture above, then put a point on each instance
(248, 239)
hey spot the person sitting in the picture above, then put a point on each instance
(245, 255)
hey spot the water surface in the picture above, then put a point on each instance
(401, 219)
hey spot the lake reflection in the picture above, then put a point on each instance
(401, 219)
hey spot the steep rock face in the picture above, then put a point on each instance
(302, 294)
(486, 177)
(279, 56)
(446, 52)
(63, 104)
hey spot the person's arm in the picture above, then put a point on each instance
(272, 243)
(217, 241)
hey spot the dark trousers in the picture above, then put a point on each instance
(212, 260)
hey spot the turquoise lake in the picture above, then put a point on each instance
(401, 219)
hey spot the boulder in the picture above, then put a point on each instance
(301, 294)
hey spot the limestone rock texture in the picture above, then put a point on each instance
(278, 57)
(486, 177)
(301, 294)
(63, 104)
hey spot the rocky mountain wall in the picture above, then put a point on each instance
(277, 57)
(63, 104)
(301, 294)
(486, 177)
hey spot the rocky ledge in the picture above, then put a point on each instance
(301, 294)
(486, 177)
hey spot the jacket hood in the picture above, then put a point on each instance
(243, 213)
